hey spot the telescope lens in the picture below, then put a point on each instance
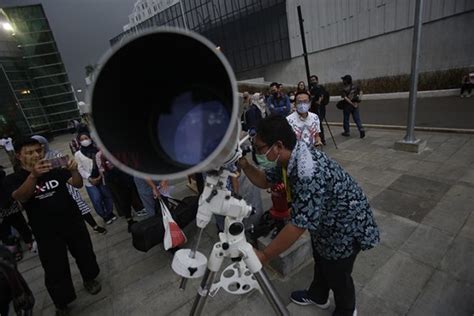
(193, 129)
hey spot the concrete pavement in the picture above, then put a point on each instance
(423, 205)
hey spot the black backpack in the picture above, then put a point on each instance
(325, 95)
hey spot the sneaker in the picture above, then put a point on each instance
(346, 134)
(100, 230)
(130, 224)
(63, 311)
(302, 298)
(92, 286)
(362, 134)
(110, 220)
(142, 212)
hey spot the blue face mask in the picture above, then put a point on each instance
(263, 161)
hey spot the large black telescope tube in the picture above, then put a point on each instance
(164, 105)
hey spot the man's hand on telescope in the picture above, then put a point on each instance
(243, 163)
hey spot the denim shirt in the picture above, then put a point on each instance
(280, 105)
(329, 203)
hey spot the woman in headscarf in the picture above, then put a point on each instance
(83, 206)
(98, 192)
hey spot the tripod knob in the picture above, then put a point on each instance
(225, 246)
(236, 228)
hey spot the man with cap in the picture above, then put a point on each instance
(278, 103)
(351, 99)
(55, 220)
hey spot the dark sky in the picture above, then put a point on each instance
(82, 29)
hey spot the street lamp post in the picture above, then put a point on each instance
(410, 143)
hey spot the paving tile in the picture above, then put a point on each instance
(368, 262)
(402, 204)
(449, 215)
(427, 245)
(394, 230)
(444, 296)
(459, 260)
(419, 186)
(369, 304)
(399, 282)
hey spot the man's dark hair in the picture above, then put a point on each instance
(302, 92)
(314, 76)
(274, 128)
(274, 84)
(23, 142)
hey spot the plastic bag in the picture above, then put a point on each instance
(174, 236)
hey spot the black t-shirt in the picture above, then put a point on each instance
(51, 204)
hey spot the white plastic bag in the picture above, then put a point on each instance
(174, 236)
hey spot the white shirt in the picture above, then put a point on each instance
(7, 143)
(304, 128)
(84, 166)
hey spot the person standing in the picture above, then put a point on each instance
(351, 101)
(55, 220)
(76, 195)
(278, 103)
(319, 100)
(121, 186)
(7, 144)
(326, 201)
(98, 192)
(304, 123)
(255, 113)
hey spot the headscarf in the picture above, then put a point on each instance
(89, 151)
(48, 152)
(259, 104)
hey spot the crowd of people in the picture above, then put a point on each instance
(287, 137)
(56, 211)
(304, 108)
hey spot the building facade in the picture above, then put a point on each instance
(32, 69)
(366, 38)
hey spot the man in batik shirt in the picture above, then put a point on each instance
(326, 201)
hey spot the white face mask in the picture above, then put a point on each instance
(302, 107)
(86, 142)
(292, 98)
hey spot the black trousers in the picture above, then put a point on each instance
(52, 248)
(125, 196)
(466, 87)
(16, 220)
(334, 275)
(322, 115)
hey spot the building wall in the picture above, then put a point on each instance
(369, 38)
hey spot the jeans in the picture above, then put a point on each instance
(348, 110)
(102, 200)
(146, 195)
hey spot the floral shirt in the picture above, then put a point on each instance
(329, 203)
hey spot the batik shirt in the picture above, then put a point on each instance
(329, 203)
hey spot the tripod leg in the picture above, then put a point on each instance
(254, 265)
(203, 293)
(213, 266)
(271, 293)
(330, 132)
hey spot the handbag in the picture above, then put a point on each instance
(174, 236)
(150, 232)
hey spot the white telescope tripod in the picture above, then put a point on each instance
(246, 272)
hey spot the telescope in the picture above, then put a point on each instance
(164, 105)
